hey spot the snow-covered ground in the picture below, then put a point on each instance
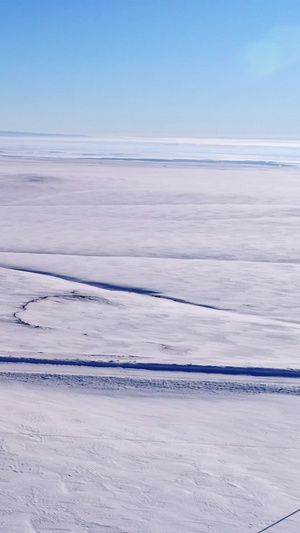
(156, 262)
(222, 238)
(126, 454)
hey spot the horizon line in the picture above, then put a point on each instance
(225, 141)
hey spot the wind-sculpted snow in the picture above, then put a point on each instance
(117, 454)
(260, 288)
(45, 316)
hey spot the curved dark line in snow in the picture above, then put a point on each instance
(162, 367)
(24, 307)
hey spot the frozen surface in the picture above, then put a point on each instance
(157, 262)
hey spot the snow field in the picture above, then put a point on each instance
(76, 460)
(154, 263)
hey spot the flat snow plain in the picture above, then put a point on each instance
(163, 263)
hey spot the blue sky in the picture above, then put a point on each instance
(175, 68)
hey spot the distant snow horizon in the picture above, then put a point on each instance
(219, 141)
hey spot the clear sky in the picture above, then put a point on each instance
(176, 68)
